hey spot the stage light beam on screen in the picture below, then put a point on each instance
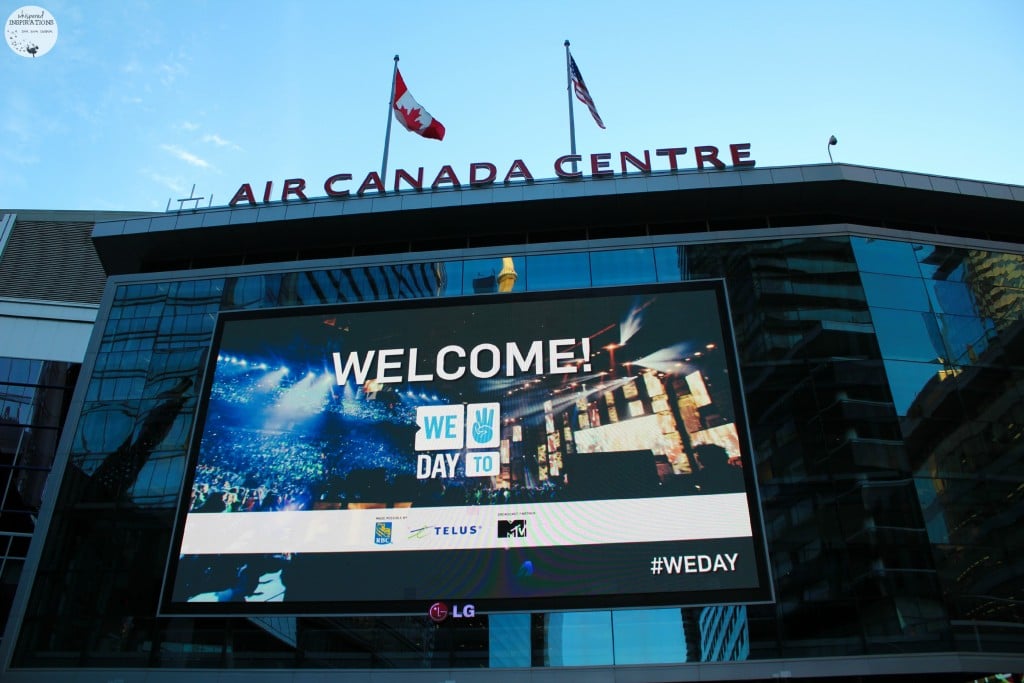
(665, 360)
(632, 324)
(304, 399)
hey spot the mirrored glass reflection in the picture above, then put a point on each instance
(913, 385)
(953, 298)
(968, 339)
(909, 335)
(557, 271)
(939, 262)
(669, 263)
(884, 256)
(623, 267)
(494, 275)
(892, 291)
(649, 636)
(578, 639)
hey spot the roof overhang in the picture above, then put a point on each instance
(660, 202)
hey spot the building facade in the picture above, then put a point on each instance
(878, 318)
(51, 283)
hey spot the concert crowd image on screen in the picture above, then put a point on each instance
(566, 450)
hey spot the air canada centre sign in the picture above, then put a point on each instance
(483, 173)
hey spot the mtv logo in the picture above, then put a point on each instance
(441, 428)
(483, 425)
(511, 528)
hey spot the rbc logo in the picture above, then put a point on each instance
(382, 533)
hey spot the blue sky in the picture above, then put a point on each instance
(139, 100)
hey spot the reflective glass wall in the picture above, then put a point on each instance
(34, 397)
(885, 392)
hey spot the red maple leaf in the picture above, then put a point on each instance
(410, 117)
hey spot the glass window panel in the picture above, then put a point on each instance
(995, 267)
(24, 371)
(557, 271)
(500, 274)
(668, 261)
(954, 298)
(893, 291)
(243, 292)
(103, 428)
(968, 339)
(940, 262)
(649, 636)
(623, 266)
(909, 335)
(451, 278)
(994, 394)
(417, 280)
(883, 256)
(579, 639)
(509, 640)
(912, 384)
(825, 287)
(383, 287)
(159, 480)
(826, 263)
(1001, 302)
(367, 284)
(697, 261)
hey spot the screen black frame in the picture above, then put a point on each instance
(763, 592)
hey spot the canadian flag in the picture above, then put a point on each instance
(411, 115)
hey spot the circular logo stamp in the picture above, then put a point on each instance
(31, 31)
(438, 612)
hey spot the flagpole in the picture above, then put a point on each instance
(387, 133)
(568, 89)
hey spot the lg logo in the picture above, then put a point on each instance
(439, 612)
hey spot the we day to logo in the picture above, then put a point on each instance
(452, 428)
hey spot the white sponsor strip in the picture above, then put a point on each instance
(472, 527)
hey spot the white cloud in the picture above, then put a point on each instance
(219, 141)
(185, 156)
(188, 125)
(19, 157)
(170, 72)
(173, 184)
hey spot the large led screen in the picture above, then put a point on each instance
(567, 450)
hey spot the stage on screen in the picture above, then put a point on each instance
(568, 450)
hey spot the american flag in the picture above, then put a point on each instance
(582, 94)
